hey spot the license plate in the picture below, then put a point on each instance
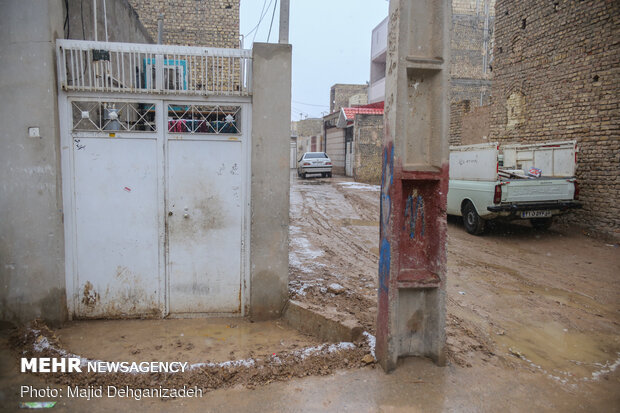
(535, 214)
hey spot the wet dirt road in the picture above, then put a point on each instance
(542, 302)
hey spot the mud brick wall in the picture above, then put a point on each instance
(457, 110)
(368, 130)
(340, 95)
(471, 60)
(556, 77)
(209, 23)
(308, 127)
(468, 51)
(476, 126)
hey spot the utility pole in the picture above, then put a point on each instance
(412, 260)
(284, 16)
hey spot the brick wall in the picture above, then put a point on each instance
(340, 95)
(209, 23)
(472, 24)
(556, 77)
(368, 135)
(307, 127)
(457, 110)
(476, 126)
(471, 72)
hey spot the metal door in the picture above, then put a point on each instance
(116, 214)
(205, 210)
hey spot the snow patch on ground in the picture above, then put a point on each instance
(42, 343)
(359, 185)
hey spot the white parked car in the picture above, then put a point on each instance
(314, 163)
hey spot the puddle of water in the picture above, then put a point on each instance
(192, 340)
(525, 286)
(346, 222)
(559, 351)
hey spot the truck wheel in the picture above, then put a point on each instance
(541, 223)
(473, 223)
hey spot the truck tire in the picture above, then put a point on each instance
(541, 223)
(473, 223)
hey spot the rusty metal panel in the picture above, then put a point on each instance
(204, 224)
(116, 218)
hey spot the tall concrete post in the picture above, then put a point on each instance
(271, 134)
(412, 264)
(284, 17)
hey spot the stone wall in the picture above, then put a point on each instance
(556, 78)
(209, 23)
(367, 140)
(340, 94)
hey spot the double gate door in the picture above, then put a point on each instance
(155, 207)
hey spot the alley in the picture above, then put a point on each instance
(539, 301)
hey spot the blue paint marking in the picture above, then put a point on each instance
(384, 265)
(412, 212)
(387, 179)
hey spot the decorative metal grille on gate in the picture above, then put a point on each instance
(113, 116)
(204, 119)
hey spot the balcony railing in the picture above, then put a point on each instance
(89, 66)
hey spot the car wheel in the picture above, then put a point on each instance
(303, 175)
(541, 223)
(473, 223)
(329, 174)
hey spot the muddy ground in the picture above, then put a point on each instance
(542, 301)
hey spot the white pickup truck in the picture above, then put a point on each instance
(516, 181)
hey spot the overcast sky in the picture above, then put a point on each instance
(331, 44)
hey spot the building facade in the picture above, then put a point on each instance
(209, 23)
(555, 77)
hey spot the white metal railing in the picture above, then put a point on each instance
(147, 68)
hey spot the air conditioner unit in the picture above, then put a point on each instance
(175, 74)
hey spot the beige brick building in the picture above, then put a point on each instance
(556, 77)
(209, 23)
(340, 95)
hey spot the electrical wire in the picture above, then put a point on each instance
(311, 104)
(67, 25)
(263, 14)
(272, 16)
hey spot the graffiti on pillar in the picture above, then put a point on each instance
(386, 211)
(414, 208)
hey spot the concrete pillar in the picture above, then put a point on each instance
(32, 266)
(271, 119)
(284, 17)
(412, 264)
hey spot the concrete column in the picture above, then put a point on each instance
(284, 17)
(271, 118)
(32, 270)
(412, 263)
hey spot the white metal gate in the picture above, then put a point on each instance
(156, 199)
